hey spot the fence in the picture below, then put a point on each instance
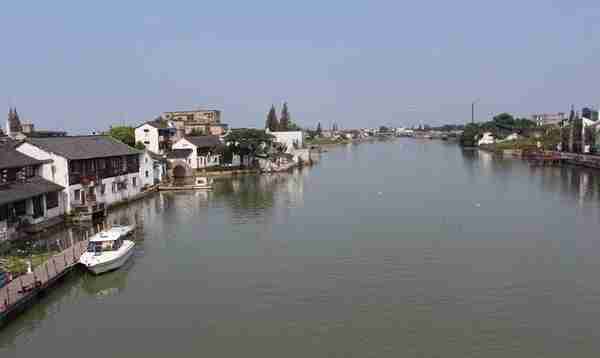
(29, 284)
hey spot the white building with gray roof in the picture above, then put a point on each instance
(96, 171)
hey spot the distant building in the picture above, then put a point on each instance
(543, 119)
(205, 122)
(290, 140)
(589, 114)
(18, 130)
(487, 138)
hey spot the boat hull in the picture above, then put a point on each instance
(110, 265)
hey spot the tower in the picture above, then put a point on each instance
(13, 125)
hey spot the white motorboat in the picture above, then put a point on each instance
(108, 250)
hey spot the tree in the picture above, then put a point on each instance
(247, 141)
(272, 123)
(284, 120)
(467, 138)
(319, 131)
(383, 129)
(123, 133)
(140, 146)
(334, 127)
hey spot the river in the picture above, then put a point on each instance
(396, 249)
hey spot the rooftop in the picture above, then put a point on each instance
(179, 153)
(18, 191)
(11, 158)
(84, 147)
(204, 141)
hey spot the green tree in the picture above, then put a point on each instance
(140, 146)
(284, 120)
(319, 131)
(272, 123)
(247, 141)
(467, 138)
(123, 133)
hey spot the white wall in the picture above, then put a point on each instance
(146, 166)
(147, 133)
(60, 176)
(289, 138)
(193, 157)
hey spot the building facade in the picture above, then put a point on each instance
(543, 119)
(96, 171)
(27, 201)
(157, 136)
(198, 122)
(198, 151)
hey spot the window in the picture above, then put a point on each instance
(147, 174)
(134, 181)
(146, 160)
(77, 195)
(38, 207)
(102, 189)
(146, 130)
(101, 164)
(146, 142)
(20, 208)
(52, 200)
(114, 187)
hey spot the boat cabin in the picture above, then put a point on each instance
(105, 242)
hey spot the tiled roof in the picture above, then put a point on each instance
(179, 153)
(204, 141)
(84, 147)
(18, 191)
(11, 158)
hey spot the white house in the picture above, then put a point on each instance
(155, 135)
(198, 151)
(291, 140)
(152, 168)
(487, 138)
(96, 171)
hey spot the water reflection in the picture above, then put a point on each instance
(579, 184)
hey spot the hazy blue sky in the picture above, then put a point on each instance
(85, 65)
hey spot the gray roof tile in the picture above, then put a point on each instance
(18, 191)
(84, 147)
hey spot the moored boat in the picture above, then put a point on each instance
(108, 250)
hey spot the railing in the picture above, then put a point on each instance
(22, 286)
(89, 207)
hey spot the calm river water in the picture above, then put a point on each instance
(395, 249)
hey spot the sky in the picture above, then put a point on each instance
(83, 66)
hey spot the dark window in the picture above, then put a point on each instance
(52, 200)
(146, 130)
(134, 181)
(114, 187)
(3, 212)
(146, 142)
(20, 208)
(38, 207)
(102, 189)
(147, 174)
(77, 195)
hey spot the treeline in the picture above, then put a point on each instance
(284, 123)
(500, 126)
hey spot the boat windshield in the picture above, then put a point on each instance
(99, 247)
